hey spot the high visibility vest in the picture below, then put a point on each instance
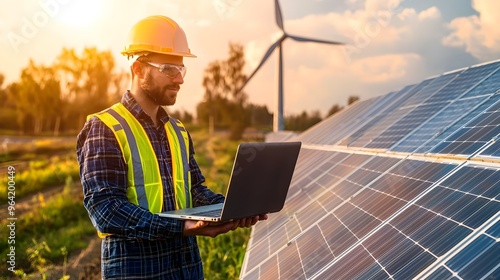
(145, 186)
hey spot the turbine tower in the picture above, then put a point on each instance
(278, 120)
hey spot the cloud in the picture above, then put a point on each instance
(385, 68)
(380, 5)
(479, 34)
(430, 13)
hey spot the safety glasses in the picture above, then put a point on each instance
(171, 70)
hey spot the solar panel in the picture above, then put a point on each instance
(344, 120)
(493, 150)
(424, 204)
(395, 100)
(451, 111)
(427, 130)
(459, 82)
(474, 135)
(458, 123)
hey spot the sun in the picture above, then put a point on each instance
(80, 13)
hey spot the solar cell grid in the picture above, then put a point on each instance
(493, 150)
(330, 200)
(302, 176)
(411, 120)
(340, 122)
(474, 135)
(288, 263)
(464, 82)
(372, 130)
(310, 215)
(395, 100)
(270, 269)
(475, 81)
(338, 237)
(434, 86)
(461, 121)
(436, 95)
(372, 214)
(442, 273)
(381, 164)
(489, 86)
(380, 205)
(278, 239)
(365, 114)
(356, 220)
(494, 231)
(474, 180)
(314, 251)
(346, 188)
(483, 258)
(359, 261)
(259, 253)
(465, 210)
(435, 125)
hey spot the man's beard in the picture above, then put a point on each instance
(158, 94)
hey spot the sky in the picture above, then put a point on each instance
(388, 43)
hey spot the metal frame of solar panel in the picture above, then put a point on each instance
(403, 186)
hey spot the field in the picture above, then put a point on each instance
(52, 230)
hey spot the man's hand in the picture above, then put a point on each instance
(248, 222)
(204, 228)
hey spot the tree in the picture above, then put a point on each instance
(224, 104)
(89, 82)
(352, 99)
(336, 108)
(259, 116)
(3, 92)
(333, 110)
(184, 116)
(8, 118)
(37, 97)
(302, 121)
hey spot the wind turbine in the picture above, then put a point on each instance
(278, 120)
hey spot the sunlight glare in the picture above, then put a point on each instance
(80, 13)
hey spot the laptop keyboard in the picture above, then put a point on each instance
(210, 213)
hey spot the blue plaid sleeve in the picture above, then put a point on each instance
(103, 175)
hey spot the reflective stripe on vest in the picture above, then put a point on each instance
(144, 179)
(179, 141)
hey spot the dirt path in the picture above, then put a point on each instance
(83, 265)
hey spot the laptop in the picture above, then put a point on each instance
(259, 183)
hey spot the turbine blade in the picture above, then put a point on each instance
(266, 56)
(279, 17)
(304, 39)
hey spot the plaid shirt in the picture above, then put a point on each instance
(141, 245)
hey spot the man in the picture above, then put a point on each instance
(136, 161)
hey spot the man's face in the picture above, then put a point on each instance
(161, 86)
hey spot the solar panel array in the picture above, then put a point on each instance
(402, 186)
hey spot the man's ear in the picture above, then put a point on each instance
(138, 69)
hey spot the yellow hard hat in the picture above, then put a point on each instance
(157, 34)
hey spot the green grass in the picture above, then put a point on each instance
(60, 225)
(223, 256)
(31, 148)
(60, 222)
(40, 175)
